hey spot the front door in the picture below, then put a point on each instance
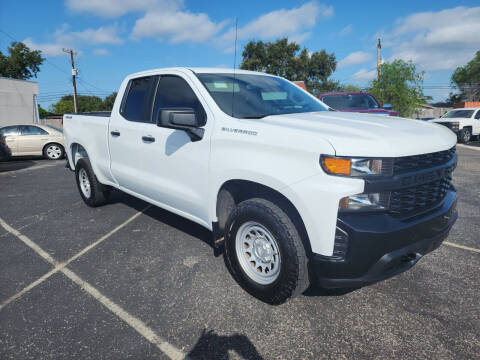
(125, 132)
(31, 140)
(175, 169)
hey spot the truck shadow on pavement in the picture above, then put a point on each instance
(164, 216)
(12, 165)
(201, 233)
(213, 346)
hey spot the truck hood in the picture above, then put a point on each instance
(356, 134)
(448, 120)
(379, 111)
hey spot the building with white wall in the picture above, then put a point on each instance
(18, 101)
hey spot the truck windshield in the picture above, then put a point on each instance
(458, 114)
(256, 96)
(350, 101)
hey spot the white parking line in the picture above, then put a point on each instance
(168, 349)
(462, 247)
(468, 147)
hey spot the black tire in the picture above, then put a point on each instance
(292, 279)
(46, 154)
(464, 135)
(98, 193)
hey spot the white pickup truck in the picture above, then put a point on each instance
(463, 122)
(294, 194)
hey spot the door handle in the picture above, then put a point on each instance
(115, 133)
(148, 139)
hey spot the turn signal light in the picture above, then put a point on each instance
(339, 166)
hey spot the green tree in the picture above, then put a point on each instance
(400, 85)
(21, 62)
(284, 58)
(467, 80)
(42, 112)
(350, 88)
(109, 101)
(85, 104)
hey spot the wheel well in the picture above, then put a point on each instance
(234, 192)
(78, 152)
(50, 143)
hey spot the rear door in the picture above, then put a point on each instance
(31, 140)
(175, 169)
(11, 134)
(126, 129)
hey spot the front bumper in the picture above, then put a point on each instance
(382, 245)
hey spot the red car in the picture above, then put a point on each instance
(356, 102)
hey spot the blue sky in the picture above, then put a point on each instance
(116, 37)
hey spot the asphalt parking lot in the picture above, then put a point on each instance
(131, 281)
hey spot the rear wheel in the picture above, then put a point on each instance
(91, 190)
(465, 135)
(264, 251)
(53, 151)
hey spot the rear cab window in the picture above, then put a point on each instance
(137, 103)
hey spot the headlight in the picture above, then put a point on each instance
(455, 126)
(365, 202)
(355, 167)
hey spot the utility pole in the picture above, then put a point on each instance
(74, 74)
(379, 58)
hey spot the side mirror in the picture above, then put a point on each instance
(387, 106)
(181, 119)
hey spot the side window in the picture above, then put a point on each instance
(174, 92)
(477, 115)
(10, 130)
(33, 130)
(138, 103)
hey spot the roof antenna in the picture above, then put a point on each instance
(234, 63)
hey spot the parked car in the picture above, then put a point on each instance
(33, 140)
(296, 193)
(463, 122)
(4, 149)
(356, 102)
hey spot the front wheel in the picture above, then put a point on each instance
(53, 151)
(464, 135)
(264, 251)
(91, 190)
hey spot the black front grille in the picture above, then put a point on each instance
(419, 162)
(419, 197)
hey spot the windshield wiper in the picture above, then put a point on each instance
(256, 116)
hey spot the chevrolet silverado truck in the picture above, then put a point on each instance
(294, 194)
(463, 122)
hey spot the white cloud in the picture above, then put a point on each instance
(102, 35)
(346, 30)
(62, 38)
(115, 8)
(100, 52)
(293, 23)
(363, 75)
(439, 40)
(176, 26)
(355, 58)
(48, 49)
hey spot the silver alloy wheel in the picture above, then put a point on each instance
(258, 253)
(54, 152)
(466, 135)
(84, 183)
